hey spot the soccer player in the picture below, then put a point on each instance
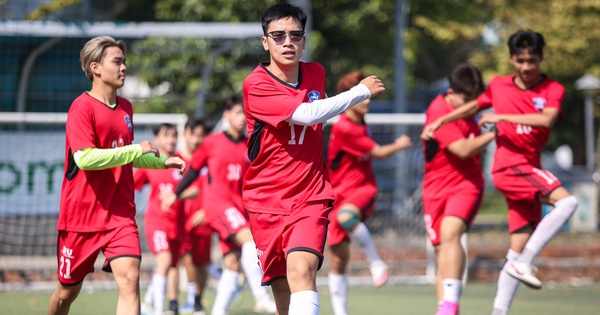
(349, 159)
(453, 184)
(287, 191)
(224, 154)
(164, 232)
(97, 209)
(526, 105)
(197, 239)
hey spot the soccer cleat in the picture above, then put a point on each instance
(265, 305)
(524, 273)
(448, 308)
(186, 308)
(379, 273)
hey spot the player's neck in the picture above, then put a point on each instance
(165, 153)
(286, 74)
(357, 118)
(186, 153)
(236, 135)
(527, 85)
(103, 93)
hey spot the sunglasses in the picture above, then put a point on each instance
(279, 36)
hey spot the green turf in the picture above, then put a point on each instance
(404, 299)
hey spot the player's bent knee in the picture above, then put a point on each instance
(348, 219)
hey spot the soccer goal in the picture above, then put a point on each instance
(31, 169)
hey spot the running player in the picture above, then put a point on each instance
(197, 238)
(164, 232)
(526, 105)
(286, 189)
(97, 209)
(224, 154)
(350, 150)
(453, 185)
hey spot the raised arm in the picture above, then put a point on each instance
(466, 148)
(469, 109)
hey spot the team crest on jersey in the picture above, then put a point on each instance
(128, 122)
(314, 95)
(176, 174)
(539, 103)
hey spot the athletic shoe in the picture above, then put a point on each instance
(448, 308)
(379, 273)
(265, 305)
(524, 272)
(146, 309)
(186, 308)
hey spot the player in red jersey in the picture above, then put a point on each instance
(349, 159)
(286, 189)
(453, 185)
(197, 239)
(97, 210)
(225, 155)
(525, 106)
(164, 232)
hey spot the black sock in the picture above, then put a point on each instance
(173, 306)
(198, 303)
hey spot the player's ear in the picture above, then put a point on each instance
(264, 40)
(95, 67)
(449, 91)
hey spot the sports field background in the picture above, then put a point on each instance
(402, 299)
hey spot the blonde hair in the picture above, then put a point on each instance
(93, 51)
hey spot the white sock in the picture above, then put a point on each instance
(226, 290)
(191, 293)
(338, 290)
(252, 270)
(304, 303)
(548, 227)
(452, 289)
(507, 286)
(159, 286)
(362, 238)
(148, 294)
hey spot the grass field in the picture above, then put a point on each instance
(405, 300)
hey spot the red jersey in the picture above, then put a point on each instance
(515, 143)
(349, 156)
(445, 173)
(190, 206)
(104, 199)
(162, 181)
(287, 168)
(227, 163)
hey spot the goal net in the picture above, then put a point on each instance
(31, 174)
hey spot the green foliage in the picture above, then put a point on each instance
(44, 10)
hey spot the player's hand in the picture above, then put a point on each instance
(488, 118)
(374, 84)
(167, 200)
(428, 131)
(403, 142)
(198, 217)
(175, 162)
(148, 147)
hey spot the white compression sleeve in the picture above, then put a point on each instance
(318, 111)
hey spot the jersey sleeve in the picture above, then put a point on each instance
(140, 178)
(79, 128)
(448, 134)
(269, 104)
(556, 93)
(200, 156)
(356, 142)
(485, 99)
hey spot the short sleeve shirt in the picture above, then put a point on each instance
(98, 200)
(518, 144)
(445, 173)
(287, 168)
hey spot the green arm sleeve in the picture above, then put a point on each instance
(91, 159)
(149, 160)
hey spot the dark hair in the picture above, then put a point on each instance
(466, 79)
(282, 11)
(232, 100)
(165, 126)
(348, 81)
(528, 40)
(194, 123)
